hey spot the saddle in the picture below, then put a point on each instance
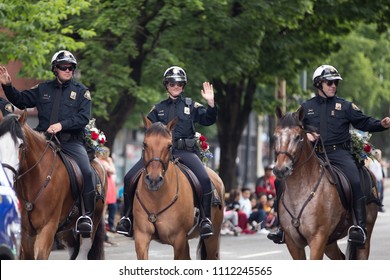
(76, 184)
(338, 178)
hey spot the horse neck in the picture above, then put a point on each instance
(306, 168)
(36, 153)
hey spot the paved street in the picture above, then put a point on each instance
(245, 247)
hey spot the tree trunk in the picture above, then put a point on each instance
(234, 106)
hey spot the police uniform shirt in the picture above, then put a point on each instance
(75, 104)
(340, 115)
(188, 114)
(6, 107)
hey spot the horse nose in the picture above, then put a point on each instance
(282, 172)
(154, 184)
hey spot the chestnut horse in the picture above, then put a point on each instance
(311, 212)
(164, 206)
(43, 186)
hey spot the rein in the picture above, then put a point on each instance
(27, 204)
(152, 217)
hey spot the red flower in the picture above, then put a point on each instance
(94, 135)
(202, 138)
(367, 148)
(102, 141)
(204, 145)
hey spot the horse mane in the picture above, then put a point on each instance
(158, 128)
(291, 119)
(11, 124)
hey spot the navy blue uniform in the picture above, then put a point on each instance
(341, 114)
(6, 107)
(74, 114)
(188, 114)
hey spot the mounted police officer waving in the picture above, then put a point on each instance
(64, 109)
(184, 143)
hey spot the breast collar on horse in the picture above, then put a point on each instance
(295, 221)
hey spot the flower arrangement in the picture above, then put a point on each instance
(95, 138)
(203, 146)
(361, 147)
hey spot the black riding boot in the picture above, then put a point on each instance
(358, 233)
(277, 236)
(84, 223)
(206, 227)
(124, 225)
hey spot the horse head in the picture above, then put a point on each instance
(289, 139)
(157, 151)
(12, 142)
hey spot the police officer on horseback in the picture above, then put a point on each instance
(64, 109)
(184, 144)
(333, 116)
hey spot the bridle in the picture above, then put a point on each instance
(165, 165)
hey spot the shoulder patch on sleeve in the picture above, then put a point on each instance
(355, 107)
(9, 108)
(197, 105)
(87, 95)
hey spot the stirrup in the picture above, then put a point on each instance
(124, 226)
(206, 228)
(84, 225)
(357, 235)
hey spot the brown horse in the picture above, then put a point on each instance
(164, 206)
(43, 187)
(311, 212)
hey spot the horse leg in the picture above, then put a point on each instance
(211, 247)
(181, 248)
(44, 243)
(317, 247)
(297, 253)
(27, 247)
(333, 252)
(142, 242)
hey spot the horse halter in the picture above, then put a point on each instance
(165, 165)
(293, 158)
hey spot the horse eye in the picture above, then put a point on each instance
(298, 138)
(145, 145)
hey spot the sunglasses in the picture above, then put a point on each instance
(331, 82)
(64, 68)
(179, 84)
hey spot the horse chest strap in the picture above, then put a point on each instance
(152, 218)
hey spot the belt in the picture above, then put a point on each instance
(66, 136)
(185, 144)
(329, 148)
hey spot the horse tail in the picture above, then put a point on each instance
(97, 250)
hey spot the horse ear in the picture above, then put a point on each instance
(171, 125)
(279, 112)
(147, 122)
(300, 113)
(1, 116)
(23, 117)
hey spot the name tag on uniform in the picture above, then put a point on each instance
(73, 95)
(186, 110)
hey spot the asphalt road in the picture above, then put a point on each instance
(244, 247)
